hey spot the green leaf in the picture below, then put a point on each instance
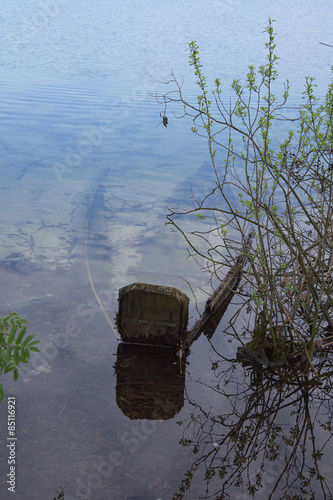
(27, 340)
(21, 335)
(34, 349)
(16, 374)
(23, 358)
(8, 354)
(16, 355)
(2, 356)
(33, 343)
(12, 334)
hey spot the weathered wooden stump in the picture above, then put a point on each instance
(152, 314)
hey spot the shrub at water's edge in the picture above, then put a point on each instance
(282, 191)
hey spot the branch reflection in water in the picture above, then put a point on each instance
(272, 438)
(274, 441)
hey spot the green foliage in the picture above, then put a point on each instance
(15, 347)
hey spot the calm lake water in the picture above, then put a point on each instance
(86, 173)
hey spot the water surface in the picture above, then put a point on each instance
(85, 177)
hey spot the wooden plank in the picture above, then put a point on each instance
(220, 299)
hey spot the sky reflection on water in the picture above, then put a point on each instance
(75, 109)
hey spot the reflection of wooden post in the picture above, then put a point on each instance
(150, 384)
(151, 314)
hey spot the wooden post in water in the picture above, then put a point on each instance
(152, 314)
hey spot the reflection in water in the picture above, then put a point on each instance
(65, 72)
(150, 384)
(273, 441)
(272, 438)
(151, 379)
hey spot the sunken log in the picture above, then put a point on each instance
(218, 302)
